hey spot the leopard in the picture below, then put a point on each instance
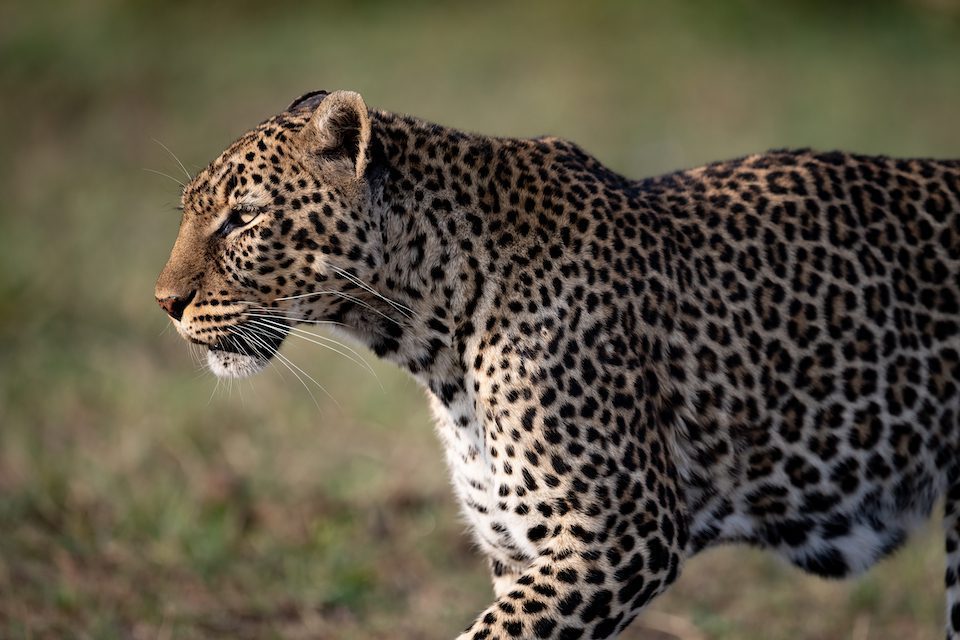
(623, 373)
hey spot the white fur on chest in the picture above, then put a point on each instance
(475, 476)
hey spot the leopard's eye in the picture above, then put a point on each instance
(240, 216)
(245, 215)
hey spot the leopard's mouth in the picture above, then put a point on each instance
(243, 353)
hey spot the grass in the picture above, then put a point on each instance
(136, 500)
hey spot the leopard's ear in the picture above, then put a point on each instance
(308, 101)
(340, 128)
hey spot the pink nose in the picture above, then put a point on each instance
(174, 305)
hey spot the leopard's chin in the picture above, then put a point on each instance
(242, 353)
(226, 364)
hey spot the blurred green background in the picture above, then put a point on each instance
(140, 500)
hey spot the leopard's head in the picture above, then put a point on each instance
(273, 232)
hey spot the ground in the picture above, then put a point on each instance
(139, 499)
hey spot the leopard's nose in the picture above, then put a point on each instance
(174, 305)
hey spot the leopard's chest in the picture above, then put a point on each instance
(483, 482)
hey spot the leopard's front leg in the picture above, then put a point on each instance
(602, 556)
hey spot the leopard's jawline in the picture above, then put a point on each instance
(237, 357)
(227, 364)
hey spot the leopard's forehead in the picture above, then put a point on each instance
(268, 144)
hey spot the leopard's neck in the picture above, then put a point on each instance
(434, 198)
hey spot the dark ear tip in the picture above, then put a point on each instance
(308, 100)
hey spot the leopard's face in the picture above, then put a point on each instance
(272, 230)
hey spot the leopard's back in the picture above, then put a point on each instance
(821, 350)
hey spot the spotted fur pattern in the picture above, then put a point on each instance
(764, 350)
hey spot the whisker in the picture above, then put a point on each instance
(258, 310)
(200, 363)
(305, 320)
(161, 173)
(327, 340)
(214, 392)
(165, 148)
(287, 361)
(346, 296)
(244, 334)
(302, 334)
(201, 367)
(405, 310)
(270, 361)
